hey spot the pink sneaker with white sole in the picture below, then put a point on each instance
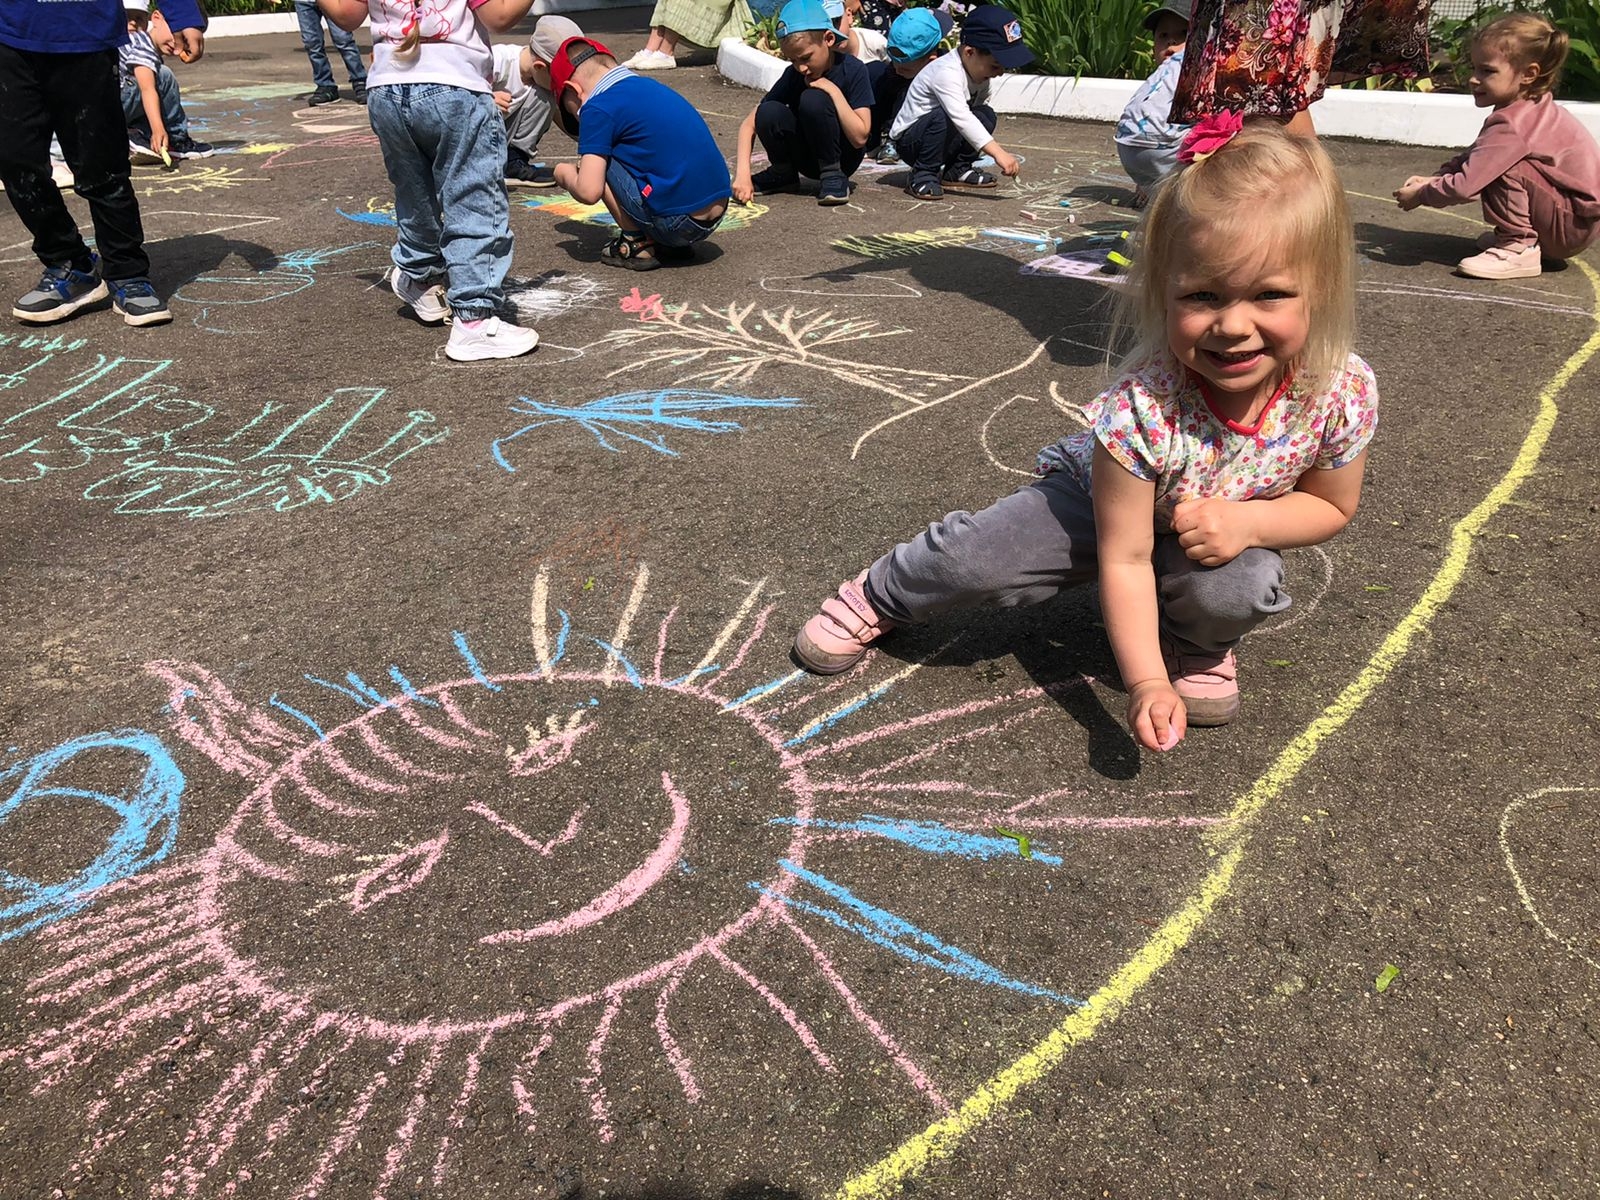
(837, 637)
(1208, 683)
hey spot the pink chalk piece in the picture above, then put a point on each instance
(620, 895)
(574, 823)
(791, 1018)
(400, 873)
(675, 1053)
(919, 1078)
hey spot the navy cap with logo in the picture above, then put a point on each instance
(999, 31)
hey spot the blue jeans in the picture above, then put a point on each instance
(678, 230)
(172, 114)
(310, 17)
(933, 144)
(445, 150)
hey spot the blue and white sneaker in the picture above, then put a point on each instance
(61, 292)
(137, 303)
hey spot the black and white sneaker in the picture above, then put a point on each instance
(136, 302)
(323, 95)
(529, 175)
(61, 291)
(184, 146)
(139, 148)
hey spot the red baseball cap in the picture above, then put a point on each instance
(573, 52)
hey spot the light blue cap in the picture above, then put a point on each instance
(798, 16)
(834, 9)
(916, 32)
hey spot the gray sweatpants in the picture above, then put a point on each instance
(528, 119)
(1040, 540)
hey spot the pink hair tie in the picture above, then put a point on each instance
(1208, 135)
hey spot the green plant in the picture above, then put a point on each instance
(763, 35)
(241, 8)
(1580, 78)
(1087, 37)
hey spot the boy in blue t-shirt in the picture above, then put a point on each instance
(816, 119)
(643, 151)
(1147, 142)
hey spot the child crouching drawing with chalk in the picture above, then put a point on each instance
(1237, 427)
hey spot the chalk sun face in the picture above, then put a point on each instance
(630, 886)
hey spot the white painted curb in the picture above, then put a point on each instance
(1409, 118)
(287, 22)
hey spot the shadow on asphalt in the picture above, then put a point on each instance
(200, 254)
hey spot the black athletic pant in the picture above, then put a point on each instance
(933, 144)
(807, 137)
(79, 99)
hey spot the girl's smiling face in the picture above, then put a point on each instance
(1496, 80)
(1239, 327)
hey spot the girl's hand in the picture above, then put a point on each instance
(1408, 193)
(1212, 531)
(1156, 715)
(744, 189)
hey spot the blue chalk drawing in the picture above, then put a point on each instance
(167, 454)
(219, 296)
(931, 837)
(620, 416)
(147, 809)
(896, 934)
(380, 217)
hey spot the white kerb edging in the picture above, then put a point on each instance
(1409, 118)
(287, 22)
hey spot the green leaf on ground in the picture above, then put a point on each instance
(1386, 976)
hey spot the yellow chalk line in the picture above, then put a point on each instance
(940, 1139)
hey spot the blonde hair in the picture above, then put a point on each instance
(1265, 195)
(1528, 39)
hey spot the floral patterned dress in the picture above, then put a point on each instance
(1275, 57)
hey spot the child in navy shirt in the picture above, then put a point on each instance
(913, 42)
(643, 151)
(816, 119)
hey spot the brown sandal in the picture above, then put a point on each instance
(632, 250)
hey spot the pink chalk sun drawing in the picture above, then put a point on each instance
(523, 897)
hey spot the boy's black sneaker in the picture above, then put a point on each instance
(323, 95)
(520, 173)
(61, 291)
(358, 93)
(139, 148)
(774, 179)
(136, 302)
(835, 190)
(184, 146)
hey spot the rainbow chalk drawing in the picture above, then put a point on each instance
(632, 415)
(353, 1010)
(144, 810)
(151, 450)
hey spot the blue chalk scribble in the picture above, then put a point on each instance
(931, 837)
(621, 416)
(147, 810)
(900, 936)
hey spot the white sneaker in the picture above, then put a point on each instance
(492, 338)
(426, 301)
(655, 60)
(1502, 262)
(638, 57)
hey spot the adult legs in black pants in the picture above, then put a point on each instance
(934, 149)
(805, 139)
(77, 97)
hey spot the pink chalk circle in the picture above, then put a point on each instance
(498, 851)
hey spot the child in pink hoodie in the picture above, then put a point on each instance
(1535, 168)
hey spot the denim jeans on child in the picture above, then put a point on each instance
(677, 230)
(76, 97)
(172, 114)
(310, 17)
(807, 137)
(445, 150)
(1040, 540)
(933, 145)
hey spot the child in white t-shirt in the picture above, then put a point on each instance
(522, 92)
(444, 146)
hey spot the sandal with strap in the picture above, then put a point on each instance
(924, 188)
(632, 250)
(968, 177)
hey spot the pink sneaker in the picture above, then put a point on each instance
(1208, 683)
(835, 639)
(1503, 262)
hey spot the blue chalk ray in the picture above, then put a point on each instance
(930, 837)
(644, 418)
(899, 936)
(147, 809)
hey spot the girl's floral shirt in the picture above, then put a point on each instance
(1158, 424)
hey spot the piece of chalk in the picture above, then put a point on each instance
(1016, 236)
(1066, 203)
(1029, 215)
(166, 159)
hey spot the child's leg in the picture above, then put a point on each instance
(467, 140)
(1206, 610)
(1147, 165)
(416, 197)
(345, 44)
(959, 154)
(528, 121)
(778, 129)
(825, 150)
(310, 18)
(1525, 209)
(25, 158)
(1021, 550)
(922, 146)
(133, 109)
(172, 114)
